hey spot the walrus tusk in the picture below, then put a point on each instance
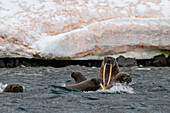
(110, 74)
(102, 86)
(104, 74)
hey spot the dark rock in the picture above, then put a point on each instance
(160, 60)
(168, 60)
(123, 62)
(25, 63)
(10, 63)
(144, 62)
(148, 63)
(17, 63)
(2, 64)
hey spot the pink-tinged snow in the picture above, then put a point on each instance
(76, 28)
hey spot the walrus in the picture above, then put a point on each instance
(109, 69)
(14, 88)
(87, 85)
(121, 77)
(78, 77)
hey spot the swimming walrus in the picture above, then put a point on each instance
(109, 69)
(14, 88)
(78, 77)
(87, 85)
(121, 77)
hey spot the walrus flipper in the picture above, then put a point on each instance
(78, 77)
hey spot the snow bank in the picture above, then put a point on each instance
(76, 28)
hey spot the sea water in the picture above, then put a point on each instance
(44, 91)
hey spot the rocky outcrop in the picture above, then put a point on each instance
(50, 29)
(160, 60)
(168, 60)
(124, 62)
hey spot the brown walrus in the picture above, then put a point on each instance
(78, 77)
(121, 77)
(87, 85)
(109, 69)
(14, 88)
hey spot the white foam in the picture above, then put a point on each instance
(117, 88)
(143, 69)
(2, 87)
(63, 84)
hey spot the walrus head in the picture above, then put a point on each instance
(108, 61)
(123, 77)
(108, 70)
(14, 88)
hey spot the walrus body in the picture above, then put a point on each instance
(109, 68)
(78, 77)
(87, 85)
(121, 77)
(14, 88)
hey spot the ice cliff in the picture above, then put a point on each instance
(77, 28)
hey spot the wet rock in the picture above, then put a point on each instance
(2, 64)
(168, 60)
(148, 63)
(10, 63)
(123, 62)
(17, 63)
(160, 60)
(144, 62)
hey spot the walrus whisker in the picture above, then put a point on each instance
(104, 74)
(110, 74)
(103, 86)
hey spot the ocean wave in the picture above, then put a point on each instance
(2, 87)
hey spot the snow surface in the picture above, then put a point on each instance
(57, 28)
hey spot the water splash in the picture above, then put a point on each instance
(63, 84)
(2, 87)
(117, 88)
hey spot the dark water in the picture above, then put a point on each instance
(44, 94)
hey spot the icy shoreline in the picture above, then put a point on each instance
(51, 29)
